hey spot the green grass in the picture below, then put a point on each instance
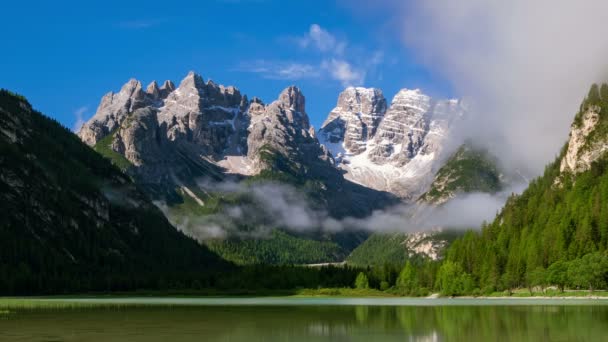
(10, 305)
(525, 293)
(104, 147)
(342, 292)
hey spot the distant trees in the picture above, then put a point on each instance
(407, 282)
(361, 282)
(452, 280)
(590, 271)
(537, 277)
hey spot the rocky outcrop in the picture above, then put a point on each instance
(396, 149)
(140, 138)
(583, 151)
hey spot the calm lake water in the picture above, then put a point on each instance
(315, 319)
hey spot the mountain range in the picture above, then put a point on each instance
(180, 144)
(104, 218)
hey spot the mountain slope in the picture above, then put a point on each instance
(562, 215)
(71, 221)
(468, 170)
(397, 248)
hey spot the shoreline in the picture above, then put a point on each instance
(530, 297)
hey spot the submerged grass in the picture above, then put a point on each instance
(9, 305)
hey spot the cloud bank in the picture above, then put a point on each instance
(262, 207)
(525, 66)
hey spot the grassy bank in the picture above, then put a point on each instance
(342, 292)
(12, 304)
(523, 293)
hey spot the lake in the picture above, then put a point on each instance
(313, 319)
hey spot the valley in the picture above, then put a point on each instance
(299, 207)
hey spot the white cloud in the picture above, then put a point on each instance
(322, 40)
(526, 65)
(79, 115)
(344, 72)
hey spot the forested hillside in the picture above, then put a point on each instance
(469, 169)
(556, 232)
(71, 221)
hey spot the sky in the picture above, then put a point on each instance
(523, 67)
(65, 55)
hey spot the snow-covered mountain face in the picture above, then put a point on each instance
(398, 148)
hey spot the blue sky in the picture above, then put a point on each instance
(64, 55)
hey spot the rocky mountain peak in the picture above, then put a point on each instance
(283, 127)
(166, 88)
(293, 99)
(192, 81)
(113, 110)
(131, 87)
(256, 107)
(355, 118)
(152, 90)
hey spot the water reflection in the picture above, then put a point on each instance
(313, 323)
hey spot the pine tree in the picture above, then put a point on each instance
(408, 279)
(362, 282)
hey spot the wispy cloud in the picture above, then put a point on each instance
(241, 1)
(322, 40)
(344, 72)
(280, 70)
(267, 206)
(79, 115)
(139, 24)
(333, 59)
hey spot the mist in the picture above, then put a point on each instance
(523, 66)
(263, 207)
